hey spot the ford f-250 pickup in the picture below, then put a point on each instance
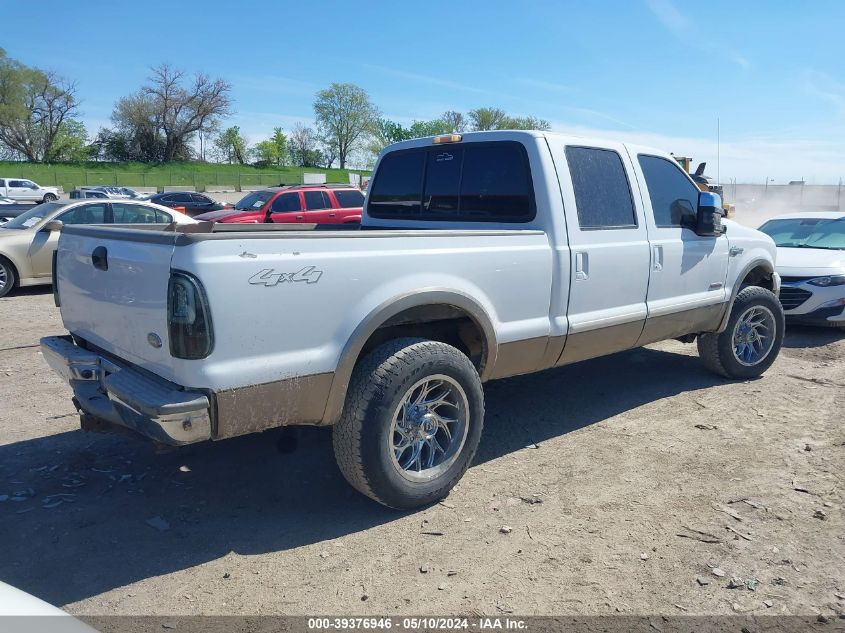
(480, 256)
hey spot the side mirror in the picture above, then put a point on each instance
(54, 225)
(708, 219)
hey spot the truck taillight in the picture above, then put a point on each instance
(188, 318)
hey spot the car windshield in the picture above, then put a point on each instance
(807, 233)
(32, 217)
(254, 200)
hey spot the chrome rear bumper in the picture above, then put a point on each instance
(120, 394)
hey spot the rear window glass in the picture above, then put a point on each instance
(477, 182)
(602, 194)
(349, 198)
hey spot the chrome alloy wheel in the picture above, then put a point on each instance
(754, 335)
(4, 277)
(429, 428)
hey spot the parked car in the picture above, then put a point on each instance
(485, 255)
(188, 202)
(27, 242)
(9, 209)
(23, 190)
(103, 192)
(89, 193)
(318, 204)
(811, 264)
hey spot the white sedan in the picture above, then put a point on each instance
(811, 264)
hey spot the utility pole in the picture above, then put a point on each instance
(718, 152)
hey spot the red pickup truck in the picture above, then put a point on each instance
(311, 204)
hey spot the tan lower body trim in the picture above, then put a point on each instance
(259, 407)
(702, 319)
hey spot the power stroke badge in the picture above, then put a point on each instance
(269, 277)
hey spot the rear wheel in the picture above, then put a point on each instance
(411, 424)
(50, 197)
(7, 277)
(752, 339)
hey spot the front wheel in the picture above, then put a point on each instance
(411, 423)
(7, 277)
(50, 197)
(752, 339)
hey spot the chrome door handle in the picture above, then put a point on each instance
(657, 258)
(582, 263)
(736, 250)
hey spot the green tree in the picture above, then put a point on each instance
(525, 123)
(383, 132)
(272, 151)
(231, 145)
(344, 113)
(429, 128)
(487, 118)
(304, 146)
(33, 105)
(455, 121)
(71, 144)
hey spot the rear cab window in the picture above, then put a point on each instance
(475, 182)
(603, 197)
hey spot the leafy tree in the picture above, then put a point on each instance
(303, 146)
(487, 118)
(383, 132)
(272, 151)
(455, 122)
(231, 145)
(160, 120)
(525, 123)
(33, 105)
(429, 128)
(344, 113)
(71, 143)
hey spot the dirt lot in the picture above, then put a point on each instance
(597, 468)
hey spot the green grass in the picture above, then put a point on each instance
(199, 175)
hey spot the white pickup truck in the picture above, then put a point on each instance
(480, 256)
(23, 190)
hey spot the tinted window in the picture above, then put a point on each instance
(347, 198)
(481, 182)
(18, 183)
(85, 214)
(201, 199)
(397, 190)
(286, 202)
(316, 200)
(181, 197)
(673, 197)
(134, 214)
(602, 195)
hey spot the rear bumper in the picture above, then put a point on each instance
(123, 395)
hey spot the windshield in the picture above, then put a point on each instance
(807, 233)
(33, 216)
(254, 200)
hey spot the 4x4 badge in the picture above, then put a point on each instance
(269, 277)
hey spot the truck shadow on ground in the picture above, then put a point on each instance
(243, 496)
(802, 336)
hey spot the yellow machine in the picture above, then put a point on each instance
(705, 183)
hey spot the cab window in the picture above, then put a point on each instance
(673, 197)
(286, 203)
(602, 193)
(85, 214)
(315, 200)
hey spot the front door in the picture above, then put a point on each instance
(609, 251)
(686, 293)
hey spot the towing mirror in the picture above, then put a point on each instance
(54, 225)
(708, 220)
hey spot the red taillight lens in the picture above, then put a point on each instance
(188, 318)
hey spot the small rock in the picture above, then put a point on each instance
(506, 529)
(735, 583)
(751, 584)
(184, 469)
(167, 626)
(718, 572)
(364, 598)
(769, 604)
(823, 618)
(533, 499)
(827, 504)
(820, 514)
(451, 572)
(227, 575)
(735, 606)
(644, 556)
(808, 448)
(158, 523)
(701, 580)
(780, 580)
(424, 569)
(442, 586)
(324, 554)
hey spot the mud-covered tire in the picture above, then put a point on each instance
(7, 277)
(363, 438)
(717, 350)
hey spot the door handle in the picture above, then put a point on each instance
(299, 217)
(735, 250)
(582, 266)
(100, 258)
(657, 258)
(331, 215)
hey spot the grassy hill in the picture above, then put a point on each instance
(197, 175)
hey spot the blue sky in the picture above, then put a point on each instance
(658, 72)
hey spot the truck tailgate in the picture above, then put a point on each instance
(112, 286)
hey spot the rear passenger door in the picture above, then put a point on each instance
(609, 251)
(350, 203)
(318, 207)
(686, 292)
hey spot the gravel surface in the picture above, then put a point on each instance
(637, 484)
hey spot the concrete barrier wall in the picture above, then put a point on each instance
(178, 188)
(220, 188)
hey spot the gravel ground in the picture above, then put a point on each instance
(596, 469)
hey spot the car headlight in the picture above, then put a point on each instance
(832, 280)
